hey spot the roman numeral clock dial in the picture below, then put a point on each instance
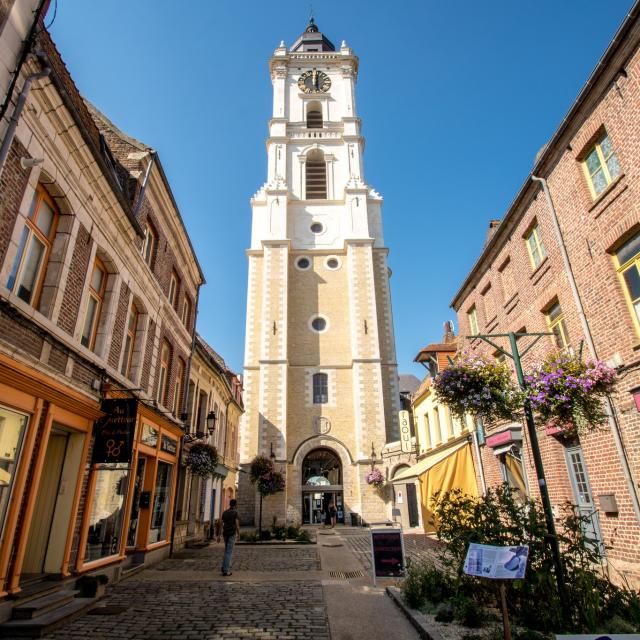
(314, 81)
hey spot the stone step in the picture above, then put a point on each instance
(39, 606)
(47, 622)
(132, 570)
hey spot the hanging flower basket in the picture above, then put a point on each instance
(481, 387)
(567, 393)
(259, 466)
(270, 483)
(376, 478)
(202, 459)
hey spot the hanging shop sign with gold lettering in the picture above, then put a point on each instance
(115, 432)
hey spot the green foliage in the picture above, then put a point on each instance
(503, 518)
(445, 612)
(304, 537)
(468, 612)
(293, 530)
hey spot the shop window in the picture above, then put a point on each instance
(186, 312)
(161, 497)
(135, 503)
(627, 259)
(174, 285)
(12, 428)
(177, 389)
(163, 375)
(97, 288)
(537, 252)
(129, 341)
(320, 388)
(472, 314)
(557, 325)
(601, 166)
(316, 176)
(34, 247)
(107, 511)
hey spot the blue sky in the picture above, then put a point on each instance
(455, 97)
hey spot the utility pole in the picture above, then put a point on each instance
(552, 536)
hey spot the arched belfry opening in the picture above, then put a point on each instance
(316, 176)
(321, 486)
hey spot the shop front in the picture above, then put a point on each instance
(131, 489)
(322, 487)
(45, 433)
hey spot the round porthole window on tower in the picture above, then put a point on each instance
(318, 323)
(317, 227)
(303, 263)
(332, 262)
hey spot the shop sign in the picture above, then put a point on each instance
(497, 563)
(149, 435)
(405, 431)
(169, 445)
(115, 432)
(387, 549)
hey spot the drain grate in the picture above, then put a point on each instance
(108, 610)
(346, 575)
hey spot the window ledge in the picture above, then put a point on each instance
(611, 187)
(540, 270)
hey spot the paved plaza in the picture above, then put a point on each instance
(275, 593)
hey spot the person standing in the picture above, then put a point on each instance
(230, 531)
(332, 514)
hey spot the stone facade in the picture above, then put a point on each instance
(512, 291)
(317, 259)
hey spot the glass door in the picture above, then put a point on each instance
(135, 502)
(162, 494)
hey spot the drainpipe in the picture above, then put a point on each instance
(609, 410)
(13, 123)
(476, 446)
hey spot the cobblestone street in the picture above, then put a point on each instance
(275, 593)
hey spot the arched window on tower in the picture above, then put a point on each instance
(314, 116)
(316, 176)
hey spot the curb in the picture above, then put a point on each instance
(417, 619)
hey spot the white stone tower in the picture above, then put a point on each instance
(320, 374)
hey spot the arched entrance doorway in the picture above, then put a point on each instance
(321, 485)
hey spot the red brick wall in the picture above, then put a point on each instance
(18, 333)
(591, 230)
(74, 285)
(13, 183)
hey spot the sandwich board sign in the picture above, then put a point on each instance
(387, 551)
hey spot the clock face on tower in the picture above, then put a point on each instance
(314, 82)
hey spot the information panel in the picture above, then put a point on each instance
(498, 563)
(388, 552)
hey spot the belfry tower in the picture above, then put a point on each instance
(320, 374)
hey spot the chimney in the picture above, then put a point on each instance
(493, 226)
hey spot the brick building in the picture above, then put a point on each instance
(98, 297)
(567, 261)
(214, 390)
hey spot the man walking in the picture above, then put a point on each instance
(230, 530)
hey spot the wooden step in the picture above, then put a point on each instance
(38, 606)
(47, 622)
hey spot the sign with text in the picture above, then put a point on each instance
(115, 432)
(497, 563)
(404, 420)
(388, 552)
(169, 445)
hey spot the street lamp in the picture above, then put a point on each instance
(211, 422)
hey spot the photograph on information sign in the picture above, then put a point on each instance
(498, 563)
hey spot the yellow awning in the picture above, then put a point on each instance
(455, 471)
(426, 463)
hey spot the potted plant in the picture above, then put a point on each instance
(567, 393)
(202, 459)
(92, 586)
(481, 387)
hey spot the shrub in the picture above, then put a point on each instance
(468, 612)
(292, 531)
(303, 536)
(444, 612)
